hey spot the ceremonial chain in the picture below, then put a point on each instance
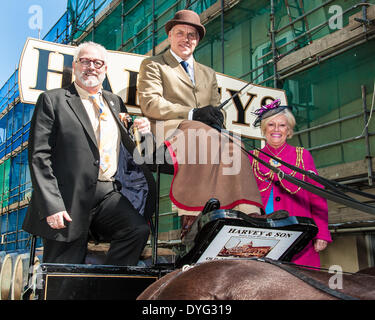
(270, 174)
(274, 162)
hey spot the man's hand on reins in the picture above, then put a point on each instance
(209, 115)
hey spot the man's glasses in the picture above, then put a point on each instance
(87, 62)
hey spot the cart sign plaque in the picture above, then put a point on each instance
(231, 234)
(245, 242)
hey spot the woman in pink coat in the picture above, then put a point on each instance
(277, 124)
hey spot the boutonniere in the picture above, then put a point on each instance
(126, 119)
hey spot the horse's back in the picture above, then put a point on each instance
(232, 280)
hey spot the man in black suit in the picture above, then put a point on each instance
(84, 177)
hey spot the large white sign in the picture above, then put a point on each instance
(46, 65)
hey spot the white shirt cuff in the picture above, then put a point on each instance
(190, 115)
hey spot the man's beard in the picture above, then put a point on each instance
(91, 81)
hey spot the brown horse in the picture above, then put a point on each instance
(259, 280)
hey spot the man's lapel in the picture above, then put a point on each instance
(75, 103)
(114, 107)
(199, 75)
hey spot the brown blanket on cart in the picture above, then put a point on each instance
(208, 165)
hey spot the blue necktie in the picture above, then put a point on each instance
(185, 66)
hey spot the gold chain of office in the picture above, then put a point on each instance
(269, 176)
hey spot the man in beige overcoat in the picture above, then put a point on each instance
(180, 96)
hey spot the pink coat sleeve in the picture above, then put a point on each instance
(318, 205)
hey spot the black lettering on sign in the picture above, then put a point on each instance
(106, 85)
(240, 108)
(41, 80)
(266, 100)
(132, 89)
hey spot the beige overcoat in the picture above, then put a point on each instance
(166, 92)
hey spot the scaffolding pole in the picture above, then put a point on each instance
(367, 138)
(273, 44)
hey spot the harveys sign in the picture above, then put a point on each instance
(46, 65)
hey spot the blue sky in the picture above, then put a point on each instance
(17, 24)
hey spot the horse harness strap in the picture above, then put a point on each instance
(311, 281)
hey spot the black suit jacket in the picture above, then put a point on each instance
(64, 164)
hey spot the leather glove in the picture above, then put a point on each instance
(209, 115)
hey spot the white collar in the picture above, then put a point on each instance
(190, 61)
(84, 94)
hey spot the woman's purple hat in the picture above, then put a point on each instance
(267, 111)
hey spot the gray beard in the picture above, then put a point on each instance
(91, 81)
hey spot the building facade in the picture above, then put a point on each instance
(320, 52)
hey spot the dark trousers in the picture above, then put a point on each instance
(114, 219)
